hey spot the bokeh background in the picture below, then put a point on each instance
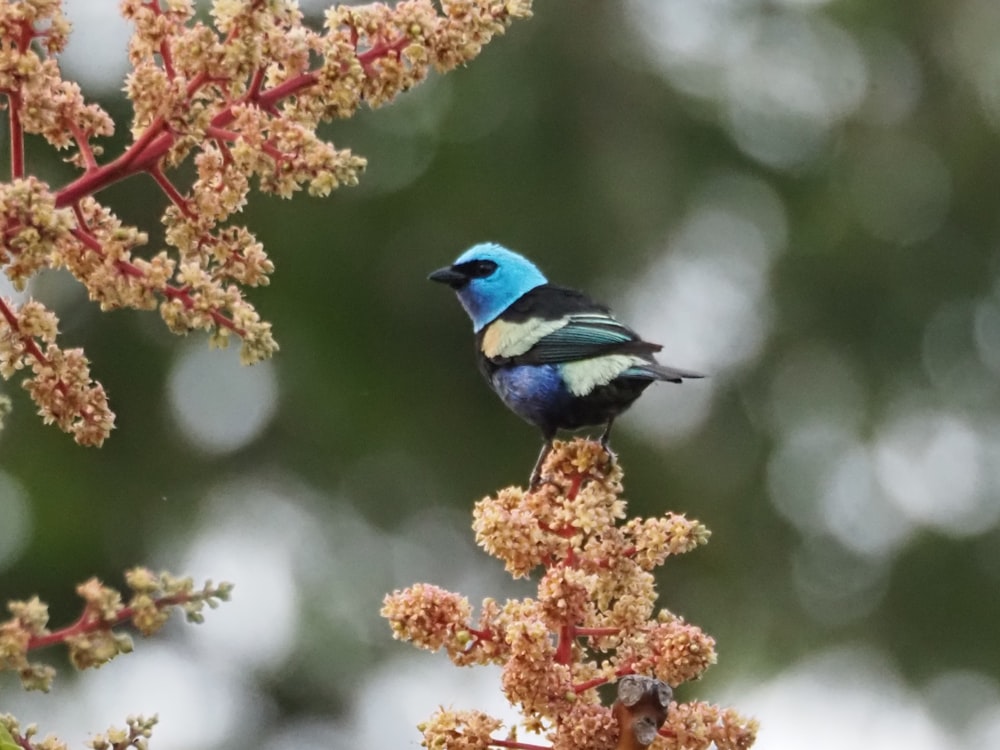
(797, 196)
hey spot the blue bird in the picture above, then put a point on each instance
(555, 357)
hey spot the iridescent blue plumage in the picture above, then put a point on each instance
(555, 357)
(484, 297)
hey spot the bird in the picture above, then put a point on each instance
(555, 357)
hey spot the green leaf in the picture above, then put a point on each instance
(6, 741)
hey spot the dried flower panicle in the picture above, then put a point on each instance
(93, 639)
(241, 97)
(594, 620)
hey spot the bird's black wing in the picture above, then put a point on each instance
(590, 330)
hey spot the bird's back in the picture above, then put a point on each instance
(555, 325)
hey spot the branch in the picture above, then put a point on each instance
(16, 136)
(519, 745)
(91, 639)
(83, 143)
(172, 193)
(90, 622)
(30, 345)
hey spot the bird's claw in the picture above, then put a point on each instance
(612, 457)
(536, 473)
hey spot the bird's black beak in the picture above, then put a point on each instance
(451, 277)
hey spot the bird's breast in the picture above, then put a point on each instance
(506, 339)
(533, 392)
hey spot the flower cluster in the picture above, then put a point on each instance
(136, 736)
(594, 620)
(92, 640)
(241, 98)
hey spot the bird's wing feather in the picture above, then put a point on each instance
(554, 325)
(584, 336)
(657, 371)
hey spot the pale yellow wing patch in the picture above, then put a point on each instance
(585, 375)
(504, 339)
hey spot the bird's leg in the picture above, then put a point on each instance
(606, 435)
(606, 442)
(536, 473)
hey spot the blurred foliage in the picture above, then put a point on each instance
(565, 142)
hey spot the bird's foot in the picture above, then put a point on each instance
(536, 473)
(605, 441)
(537, 483)
(606, 438)
(612, 456)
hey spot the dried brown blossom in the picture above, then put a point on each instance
(594, 620)
(241, 97)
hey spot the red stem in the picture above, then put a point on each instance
(146, 150)
(14, 103)
(598, 681)
(597, 632)
(130, 269)
(16, 137)
(221, 134)
(569, 631)
(564, 651)
(172, 192)
(184, 295)
(88, 622)
(565, 532)
(29, 342)
(83, 143)
(520, 745)
(574, 489)
(381, 49)
(81, 222)
(87, 238)
(151, 146)
(256, 84)
(168, 59)
(267, 100)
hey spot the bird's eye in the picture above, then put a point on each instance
(478, 269)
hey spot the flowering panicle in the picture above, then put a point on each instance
(241, 97)
(140, 729)
(92, 640)
(594, 620)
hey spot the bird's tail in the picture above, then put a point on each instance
(657, 371)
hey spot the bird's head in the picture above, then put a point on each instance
(488, 278)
